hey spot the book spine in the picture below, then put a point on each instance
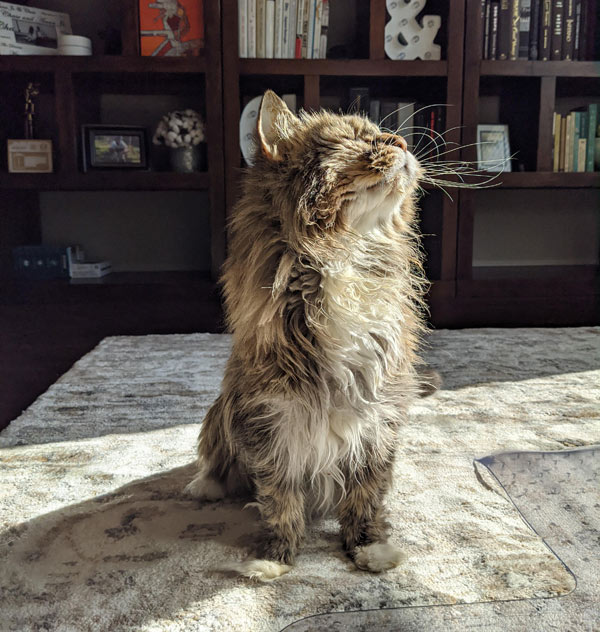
(291, 50)
(556, 127)
(591, 136)
(278, 28)
(583, 136)
(569, 143)
(545, 30)
(577, 38)
(504, 28)
(493, 43)
(581, 158)
(485, 28)
(243, 28)
(590, 27)
(251, 28)
(260, 28)
(324, 30)
(534, 32)
(514, 30)
(299, 23)
(576, 137)
(375, 111)
(568, 30)
(524, 26)
(563, 134)
(285, 24)
(305, 23)
(270, 29)
(316, 46)
(311, 28)
(557, 29)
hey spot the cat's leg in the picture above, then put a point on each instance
(281, 504)
(362, 517)
(216, 472)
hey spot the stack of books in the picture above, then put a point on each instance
(538, 29)
(283, 29)
(575, 139)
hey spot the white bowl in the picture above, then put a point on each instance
(74, 50)
(73, 40)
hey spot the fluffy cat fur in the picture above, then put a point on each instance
(323, 292)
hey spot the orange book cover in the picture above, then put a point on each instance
(171, 28)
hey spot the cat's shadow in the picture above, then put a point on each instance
(145, 542)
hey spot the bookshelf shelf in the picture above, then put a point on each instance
(547, 180)
(101, 64)
(343, 67)
(540, 68)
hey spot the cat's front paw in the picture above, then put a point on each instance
(205, 487)
(378, 557)
(261, 570)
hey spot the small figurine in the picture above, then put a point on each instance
(32, 91)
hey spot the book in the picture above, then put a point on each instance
(563, 133)
(556, 127)
(568, 43)
(493, 40)
(486, 11)
(577, 37)
(514, 30)
(375, 110)
(569, 141)
(251, 28)
(299, 25)
(545, 30)
(576, 137)
(591, 136)
(285, 29)
(504, 29)
(270, 29)
(316, 45)
(261, 10)
(406, 112)
(278, 37)
(581, 154)
(524, 27)
(311, 28)
(305, 23)
(164, 33)
(291, 28)
(243, 28)
(324, 30)
(358, 100)
(534, 39)
(557, 30)
(389, 116)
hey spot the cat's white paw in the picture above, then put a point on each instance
(204, 487)
(378, 557)
(262, 570)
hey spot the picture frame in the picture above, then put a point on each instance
(493, 148)
(110, 147)
(29, 155)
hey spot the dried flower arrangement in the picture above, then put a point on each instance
(181, 128)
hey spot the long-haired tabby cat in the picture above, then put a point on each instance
(323, 292)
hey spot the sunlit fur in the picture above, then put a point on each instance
(323, 291)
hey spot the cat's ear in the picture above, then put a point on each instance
(274, 122)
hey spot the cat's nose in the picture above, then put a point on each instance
(393, 139)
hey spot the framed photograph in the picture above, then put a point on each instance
(171, 28)
(29, 156)
(114, 147)
(493, 148)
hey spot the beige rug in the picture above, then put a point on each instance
(95, 534)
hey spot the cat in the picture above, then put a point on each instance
(323, 289)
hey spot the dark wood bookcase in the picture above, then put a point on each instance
(45, 326)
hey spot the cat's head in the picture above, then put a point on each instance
(331, 171)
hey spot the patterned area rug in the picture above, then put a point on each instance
(95, 534)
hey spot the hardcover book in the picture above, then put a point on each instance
(524, 28)
(171, 28)
(504, 29)
(514, 31)
(557, 30)
(545, 30)
(568, 45)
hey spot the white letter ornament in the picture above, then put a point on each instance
(418, 38)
